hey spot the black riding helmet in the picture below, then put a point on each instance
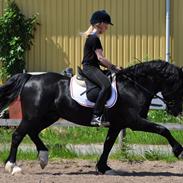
(99, 17)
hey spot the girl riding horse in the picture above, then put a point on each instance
(93, 58)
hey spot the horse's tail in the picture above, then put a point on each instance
(12, 88)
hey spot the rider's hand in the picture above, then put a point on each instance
(115, 69)
(119, 68)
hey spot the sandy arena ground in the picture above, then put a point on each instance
(81, 171)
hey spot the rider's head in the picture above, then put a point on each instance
(99, 22)
(100, 16)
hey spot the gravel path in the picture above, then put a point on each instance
(81, 171)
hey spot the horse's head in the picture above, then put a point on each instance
(173, 96)
(173, 103)
(158, 76)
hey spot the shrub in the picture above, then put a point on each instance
(16, 34)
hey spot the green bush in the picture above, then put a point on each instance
(16, 34)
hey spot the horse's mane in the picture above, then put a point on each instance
(161, 68)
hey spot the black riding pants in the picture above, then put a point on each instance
(96, 76)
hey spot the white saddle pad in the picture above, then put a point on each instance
(76, 90)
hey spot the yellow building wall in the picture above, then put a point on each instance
(138, 31)
(177, 31)
(1, 7)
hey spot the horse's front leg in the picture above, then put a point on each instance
(102, 166)
(144, 125)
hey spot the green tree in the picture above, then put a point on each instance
(16, 35)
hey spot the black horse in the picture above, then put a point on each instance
(45, 98)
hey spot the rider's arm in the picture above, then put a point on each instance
(103, 61)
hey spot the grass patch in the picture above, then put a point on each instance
(162, 116)
(62, 135)
(21, 155)
(84, 135)
(73, 135)
(55, 152)
(6, 135)
(60, 151)
(125, 154)
(150, 138)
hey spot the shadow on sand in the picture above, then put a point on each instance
(120, 173)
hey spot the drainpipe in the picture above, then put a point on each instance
(168, 30)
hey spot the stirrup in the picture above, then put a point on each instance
(97, 121)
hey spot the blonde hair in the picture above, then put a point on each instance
(88, 31)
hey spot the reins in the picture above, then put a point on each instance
(143, 88)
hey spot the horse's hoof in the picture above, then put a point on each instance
(16, 170)
(9, 166)
(180, 155)
(111, 172)
(104, 170)
(43, 158)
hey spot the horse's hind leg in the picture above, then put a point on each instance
(146, 126)
(41, 148)
(39, 125)
(17, 137)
